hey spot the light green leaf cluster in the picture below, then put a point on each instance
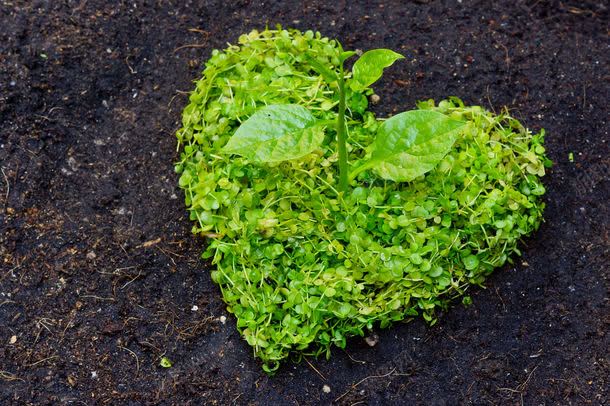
(407, 145)
(303, 269)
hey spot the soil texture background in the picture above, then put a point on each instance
(100, 276)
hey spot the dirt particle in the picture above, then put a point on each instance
(73, 164)
(372, 339)
(112, 328)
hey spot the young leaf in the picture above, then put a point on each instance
(328, 75)
(410, 144)
(369, 67)
(276, 133)
(165, 362)
(345, 55)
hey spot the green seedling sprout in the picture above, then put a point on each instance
(407, 145)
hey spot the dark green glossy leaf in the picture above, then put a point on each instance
(276, 133)
(412, 143)
(369, 67)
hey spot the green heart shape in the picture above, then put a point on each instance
(302, 269)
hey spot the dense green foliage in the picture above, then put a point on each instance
(302, 266)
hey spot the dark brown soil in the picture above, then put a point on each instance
(99, 274)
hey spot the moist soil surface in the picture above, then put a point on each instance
(100, 276)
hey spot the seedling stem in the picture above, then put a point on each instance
(341, 134)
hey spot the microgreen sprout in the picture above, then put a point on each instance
(165, 362)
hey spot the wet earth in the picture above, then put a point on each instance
(100, 276)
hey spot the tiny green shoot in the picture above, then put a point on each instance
(165, 362)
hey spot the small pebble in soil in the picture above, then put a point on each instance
(73, 164)
(326, 389)
(223, 319)
(93, 374)
(195, 308)
(13, 340)
(91, 255)
(372, 339)
(375, 98)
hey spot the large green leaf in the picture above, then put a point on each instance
(277, 133)
(369, 67)
(412, 143)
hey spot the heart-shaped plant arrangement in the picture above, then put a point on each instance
(325, 221)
